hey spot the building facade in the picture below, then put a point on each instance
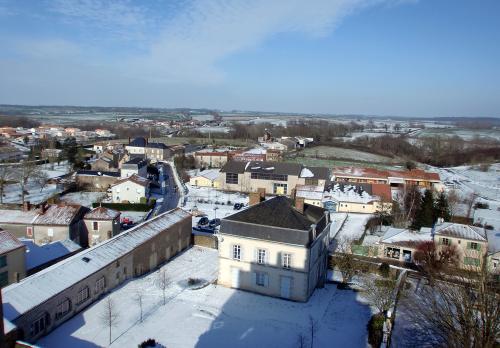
(275, 248)
(102, 224)
(12, 259)
(131, 189)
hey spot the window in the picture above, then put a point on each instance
(100, 284)
(237, 252)
(445, 241)
(95, 226)
(83, 295)
(231, 178)
(269, 176)
(260, 279)
(473, 246)
(261, 256)
(471, 261)
(50, 232)
(62, 308)
(311, 181)
(29, 232)
(287, 260)
(280, 189)
(3, 260)
(4, 278)
(39, 325)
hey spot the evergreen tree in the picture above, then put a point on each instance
(425, 213)
(442, 209)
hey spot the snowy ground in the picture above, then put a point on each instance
(343, 153)
(12, 192)
(83, 198)
(407, 331)
(354, 226)
(216, 316)
(56, 170)
(204, 200)
(469, 180)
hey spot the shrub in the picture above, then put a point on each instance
(375, 330)
(193, 281)
(481, 205)
(126, 206)
(143, 200)
(150, 342)
(384, 270)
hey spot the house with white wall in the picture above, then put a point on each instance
(130, 189)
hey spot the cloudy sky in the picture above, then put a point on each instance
(384, 57)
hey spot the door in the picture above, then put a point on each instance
(286, 283)
(235, 278)
(153, 262)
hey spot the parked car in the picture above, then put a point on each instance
(203, 221)
(214, 223)
(237, 206)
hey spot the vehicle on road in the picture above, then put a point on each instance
(214, 223)
(204, 221)
(237, 206)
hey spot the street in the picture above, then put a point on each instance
(170, 195)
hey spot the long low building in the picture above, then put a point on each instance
(277, 178)
(40, 303)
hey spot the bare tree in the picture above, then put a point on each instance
(344, 259)
(434, 259)
(27, 169)
(139, 296)
(4, 174)
(42, 179)
(109, 316)
(465, 314)
(301, 341)
(313, 329)
(469, 201)
(163, 282)
(379, 292)
(453, 202)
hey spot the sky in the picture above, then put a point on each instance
(374, 57)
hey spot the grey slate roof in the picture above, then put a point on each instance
(234, 167)
(277, 220)
(320, 172)
(274, 168)
(138, 142)
(157, 146)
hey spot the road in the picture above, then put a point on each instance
(171, 195)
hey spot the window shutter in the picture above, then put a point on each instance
(468, 245)
(254, 278)
(266, 258)
(231, 251)
(266, 280)
(280, 259)
(255, 255)
(241, 252)
(478, 247)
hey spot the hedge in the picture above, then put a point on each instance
(127, 206)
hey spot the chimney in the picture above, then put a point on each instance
(262, 193)
(293, 194)
(327, 216)
(299, 204)
(26, 206)
(254, 198)
(129, 140)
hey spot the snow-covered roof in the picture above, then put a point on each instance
(306, 173)
(460, 231)
(349, 193)
(309, 192)
(17, 216)
(37, 255)
(58, 215)
(133, 178)
(30, 292)
(401, 235)
(102, 213)
(8, 242)
(210, 174)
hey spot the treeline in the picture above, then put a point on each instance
(18, 121)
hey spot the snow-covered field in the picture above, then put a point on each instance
(83, 198)
(210, 201)
(55, 170)
(342, 153)
(469, 180)
(215, 316)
